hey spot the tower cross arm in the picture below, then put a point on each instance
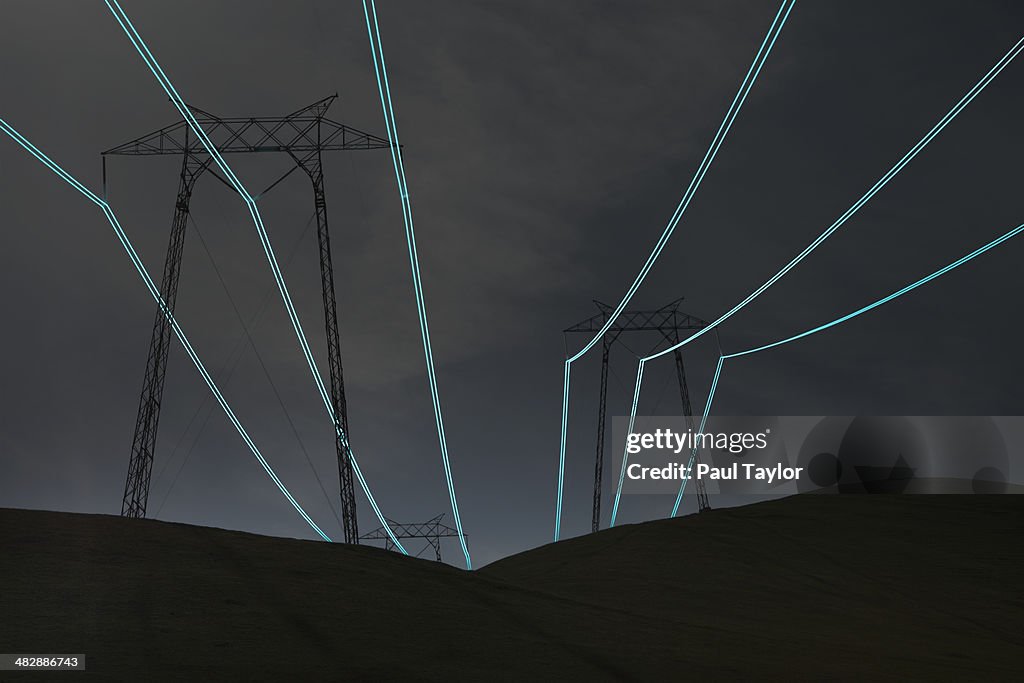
(307, 130)
(433, 528)
(665, 318)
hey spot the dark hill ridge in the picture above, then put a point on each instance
(805, 588)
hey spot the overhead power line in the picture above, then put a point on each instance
(882, 182)
(821, 328)
(380, 69)
(849, 213)
(730, 116)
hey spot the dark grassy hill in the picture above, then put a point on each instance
(863, 587)
(807, 588)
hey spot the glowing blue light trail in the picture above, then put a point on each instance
(716, 143)
(250, 202)
(155, 292)
(380, 69)
(838, 321)
(882, 182)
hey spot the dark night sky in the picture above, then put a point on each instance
(546, 146)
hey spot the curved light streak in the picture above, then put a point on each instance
(380, 70)
(748, 82)
(838, 321)
(884, 180)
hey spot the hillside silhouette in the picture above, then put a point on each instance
(804, 588)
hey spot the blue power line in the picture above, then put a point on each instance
(629, 430)
(838, 321)
(716, 143)
(882, 182)
(703, 421)
(155, 292)
(821, 328)
(381, 72)
(268, 250)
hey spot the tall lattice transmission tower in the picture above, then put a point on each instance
(669, 322)
(304, 136)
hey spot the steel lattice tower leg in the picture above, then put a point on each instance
(314, 168)
(595, 522)
(140, 467)
(702, 492)
(436, 543)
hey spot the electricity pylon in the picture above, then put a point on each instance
(303, 135)
(669, 321)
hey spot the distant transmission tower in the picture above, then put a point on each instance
(667, 320)
(303, 135)
(432, 531)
